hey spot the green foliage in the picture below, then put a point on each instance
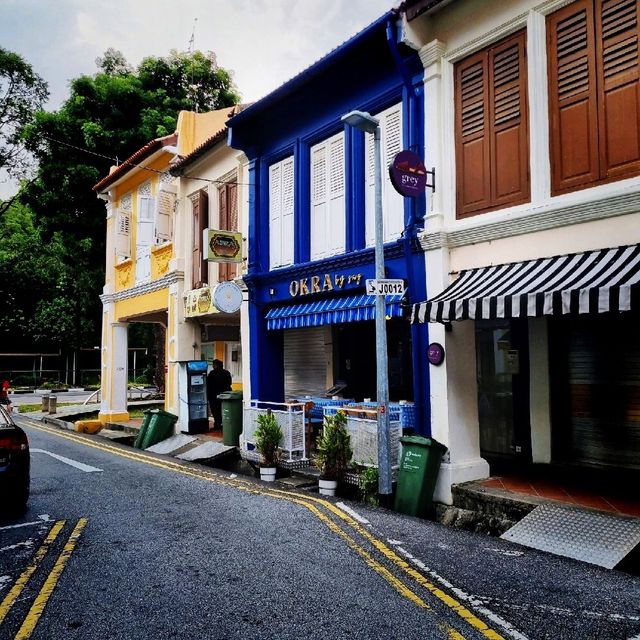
(107, 116)
(334, 447)
(31, 272)
(268, 436)
(368, 485)
(22, 93)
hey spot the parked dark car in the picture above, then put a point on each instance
(15, 463)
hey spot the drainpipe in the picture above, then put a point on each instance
(409, 235)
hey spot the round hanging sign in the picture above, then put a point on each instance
(435, 353)
(408, 175)
(227, 296)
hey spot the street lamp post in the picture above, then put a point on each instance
(367, 123)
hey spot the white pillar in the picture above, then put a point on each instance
(454, 392)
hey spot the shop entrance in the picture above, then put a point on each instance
(596, 390)
(503, 390)
(355, 359)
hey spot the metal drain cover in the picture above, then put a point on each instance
(590, 536)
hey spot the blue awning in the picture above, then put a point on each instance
(330, 311)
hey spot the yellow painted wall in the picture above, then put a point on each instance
(138, 305)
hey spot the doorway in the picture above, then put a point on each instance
(503, 390)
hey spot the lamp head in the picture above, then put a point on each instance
(361, 120)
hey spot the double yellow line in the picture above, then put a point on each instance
(33, 616)
(315, 506)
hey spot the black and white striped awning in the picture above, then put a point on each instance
(589, 282)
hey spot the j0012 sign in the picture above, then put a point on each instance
(385, 287)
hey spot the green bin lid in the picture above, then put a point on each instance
(423, 442)
(161, 412)
(230, 395)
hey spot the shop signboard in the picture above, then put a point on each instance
(408, 174)
(199, 302)
(223, 246)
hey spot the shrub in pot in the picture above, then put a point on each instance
(268, 436)
(333, 452)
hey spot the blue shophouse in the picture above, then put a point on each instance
(311, 226)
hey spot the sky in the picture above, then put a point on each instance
(263, 42)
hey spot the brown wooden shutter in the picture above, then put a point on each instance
(228, 207)
(472, 134)
(619, 94)
(232, 222)
(492, 135)
(572, 97)
(509, 148)
(199, 271)
(224, 225)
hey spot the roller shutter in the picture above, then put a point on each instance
(603, 364)
(305, 366)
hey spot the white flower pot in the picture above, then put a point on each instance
(268, 474)
(327, 487)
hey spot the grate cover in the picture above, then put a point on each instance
(589, 536)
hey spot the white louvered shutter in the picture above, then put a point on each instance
(144, 237)
(336, 223)
(288, 239)
(163, 212)
(275, 215)
(392, 202)
(123, 233)
(370, 189)
(319, 221)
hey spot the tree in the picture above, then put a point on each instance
(22, 93)
(106, 118)
(30, 272)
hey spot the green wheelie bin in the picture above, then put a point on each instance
(160, 427)
(418, 474)
(231, 417)
(143, 429)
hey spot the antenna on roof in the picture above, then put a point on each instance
(192, 40)
(192, 45)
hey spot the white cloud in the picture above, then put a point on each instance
(264, 42)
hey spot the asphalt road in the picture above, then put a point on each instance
(133, 545)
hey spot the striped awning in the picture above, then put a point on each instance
(329, 311)
(589, 282)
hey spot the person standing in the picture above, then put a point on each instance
(218, 381)
(4, 396)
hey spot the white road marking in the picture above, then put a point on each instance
(26, 543)
(507, 627)
(507, 552)
(352, 513)
(73, 463)
(22, 524)
(565, 611)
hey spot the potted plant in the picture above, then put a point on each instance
(268, 436)
(333, 452)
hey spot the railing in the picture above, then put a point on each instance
(292, 419)
(362, 425)
(131, 391)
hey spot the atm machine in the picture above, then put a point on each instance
(192, 390)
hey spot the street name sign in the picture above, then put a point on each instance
(386, 287)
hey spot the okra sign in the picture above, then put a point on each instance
(408, 175)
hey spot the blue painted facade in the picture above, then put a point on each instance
(369, 72)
